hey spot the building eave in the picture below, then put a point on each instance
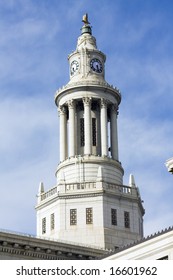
(26, 246)
(134, 245)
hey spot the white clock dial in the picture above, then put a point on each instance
(96, 65)
(74, 67)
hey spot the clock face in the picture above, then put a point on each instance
(74, 67)
(96, 65)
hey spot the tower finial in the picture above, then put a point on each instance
(85, 19)
(86, 27)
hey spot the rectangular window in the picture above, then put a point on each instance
(126, 219)
(114, 217)
(73, 217)
(82, 133)
(89, 216)
(52, 221)
(43, 225)
(94, 140)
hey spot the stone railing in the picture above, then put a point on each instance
(80, 186)
(75, 187)
(120, 188)
(49, 193)
(123, 190)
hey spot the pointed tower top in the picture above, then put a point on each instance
(132, 181)
(41, 188)
(86, 28)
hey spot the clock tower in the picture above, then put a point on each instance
(89, 204)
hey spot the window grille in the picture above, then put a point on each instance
(94, 140)
(52, 221)
(114, 217)
(127, 219)
(82, 133)
(89, 216)
(73, 217)
(43, 225)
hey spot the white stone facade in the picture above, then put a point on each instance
(16, 246)
(101, 198)
(89, 203)
(89, 169)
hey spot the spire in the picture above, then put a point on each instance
(86, 28)
(132, 181)
(86, 40)
(41, 188)
(40, 192)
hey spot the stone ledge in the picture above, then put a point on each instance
(16, 246)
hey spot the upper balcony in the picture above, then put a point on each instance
(88, 188)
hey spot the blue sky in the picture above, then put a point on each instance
(35, 40)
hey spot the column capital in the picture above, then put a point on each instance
(71, 104)
(87, 101)
(103, 102)
(114, 108)
(62, 109)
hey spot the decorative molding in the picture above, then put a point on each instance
(82, 195)
(87, 101)
(62, 109)
(71, 104)
(114, 108)
(103, 103)
(86, 83)
(15, 246)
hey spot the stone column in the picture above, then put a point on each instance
(63, 132)
(72, 136)
(87, 125)
(104, 128)
(114, 133)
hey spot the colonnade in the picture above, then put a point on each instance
(70, 107)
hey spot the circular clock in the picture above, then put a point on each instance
(74, 67)
(96, 65)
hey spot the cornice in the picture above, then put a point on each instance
(27, 254)
(16, 246)
(85, 85)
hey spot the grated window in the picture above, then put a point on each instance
(89, 216)
(73, 217)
